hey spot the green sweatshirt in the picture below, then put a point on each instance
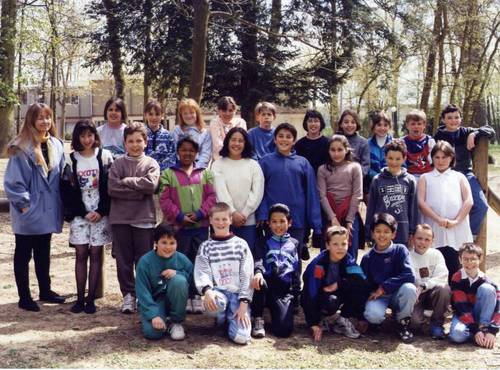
(150, 286)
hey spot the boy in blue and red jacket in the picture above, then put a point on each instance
(333, 280)
(390, 277)
(475, 301)
(275, 281)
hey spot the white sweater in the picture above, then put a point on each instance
(239, 183)
(429, 268)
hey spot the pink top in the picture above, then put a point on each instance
(345, 180)
(219, 130)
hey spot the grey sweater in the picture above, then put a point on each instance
(131, 184)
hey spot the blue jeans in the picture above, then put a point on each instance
(486, 300)
(401, 302)
(480, 206)
(227, 305)
(248, 234)
(173, 302)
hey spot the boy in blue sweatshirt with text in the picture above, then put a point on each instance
(390, 276)
(162, 281)
(290, 179)
(275, 279)
(394, 191)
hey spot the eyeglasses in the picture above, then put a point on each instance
(473, 259)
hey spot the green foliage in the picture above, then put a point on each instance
(7, 95)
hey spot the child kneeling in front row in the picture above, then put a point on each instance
(331, 280)
(387, 267)
(474, 300)
(223, 272)
(162, 282)
(275, 281)
(431, 279)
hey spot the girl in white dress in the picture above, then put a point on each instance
(445, 199)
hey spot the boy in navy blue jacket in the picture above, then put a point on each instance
(290, 179)
(275, 279)
(463, 140)
(331, 280)
(390, 277)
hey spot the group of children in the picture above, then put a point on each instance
(237, 210)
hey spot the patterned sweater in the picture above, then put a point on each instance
(463, 298)
(225, 263)
(182, 193)
(161, 147)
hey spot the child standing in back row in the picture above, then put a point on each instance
(225, 121)
(133, 180)
(261, 136)
(381, 127)
(111, 133)
(161, 145)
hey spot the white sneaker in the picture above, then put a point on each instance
(258, 330)
(128, 305)
(197, 305)
(345, 327)
(176, 332)
(189, 306)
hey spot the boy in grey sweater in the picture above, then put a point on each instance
(223, 271)
(132, 182)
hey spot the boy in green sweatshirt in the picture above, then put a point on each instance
(162, 281)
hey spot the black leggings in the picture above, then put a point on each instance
(39, 247)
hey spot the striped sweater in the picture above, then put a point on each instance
(224, 263)
(463, 299)
(182, 193)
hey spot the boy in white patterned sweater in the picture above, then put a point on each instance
(431, 279)
(223, 271)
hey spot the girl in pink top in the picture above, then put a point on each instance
(220, 126)
(340, 185)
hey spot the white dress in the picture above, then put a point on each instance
(444, 196)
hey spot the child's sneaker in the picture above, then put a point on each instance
(90, 308)
(128, 305)
(176, 331)
(437, 332)
(189, 306)
(345, 327)
(197, 305)
(404, 331)
(258, 330)
(78, 307)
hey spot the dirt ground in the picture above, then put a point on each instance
(55, 337)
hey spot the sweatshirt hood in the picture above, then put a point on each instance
(387, 174)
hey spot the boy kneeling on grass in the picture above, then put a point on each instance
(223, 271)
(162, 282)
(333, 280)
(474, 301)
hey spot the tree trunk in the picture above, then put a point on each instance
(249, 75)
(439, 87)
(51, 11)
(199, 49)
(148, 73)
(7, 63)
(274, 28)
(20, 70)
(114, 42)
(431, 60)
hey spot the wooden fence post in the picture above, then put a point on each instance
(481, 172)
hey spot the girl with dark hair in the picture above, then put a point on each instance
(84, 191)
(313, 146)
(225, 121)
(31, 182)
(244, 191)
(349, 125)
(340, 184)
(111, 133)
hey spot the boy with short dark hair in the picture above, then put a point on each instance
(390, 277)
(290, 179)
(275, 279)
(132, 215)
(431, 279)
(463, 140)
(261, 136)
(394, 191)
(418, 144)
(163, 277)
(333, 280)
(474, 300)
(223, 271)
